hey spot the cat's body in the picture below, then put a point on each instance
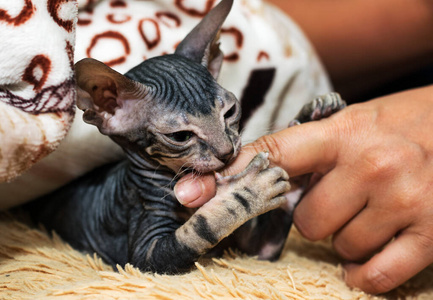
(169, 115)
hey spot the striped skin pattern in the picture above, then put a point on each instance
(126, 212)
(169, 115)
(177, 83)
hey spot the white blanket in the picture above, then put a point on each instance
(269, 65)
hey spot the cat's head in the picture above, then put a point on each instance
(169, 108)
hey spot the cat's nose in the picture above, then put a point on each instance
(227, 157)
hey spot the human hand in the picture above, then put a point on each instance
(375, 193)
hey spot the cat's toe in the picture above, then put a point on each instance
(259, 163)
(326, 105)
(321, 107)
(277, 185)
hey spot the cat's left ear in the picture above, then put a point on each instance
(201, 44)
(102, 91)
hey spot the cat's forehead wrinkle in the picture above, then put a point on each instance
(185, 118)
(209, 128)
(178, 83)
(174, 121)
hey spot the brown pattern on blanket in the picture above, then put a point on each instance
(54, 7)
(25, 14)
(37, 90)
(52, 99)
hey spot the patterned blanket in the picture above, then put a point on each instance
(269, 65)
(36, 81)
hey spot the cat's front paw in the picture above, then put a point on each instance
(257, 189)
(321, 107)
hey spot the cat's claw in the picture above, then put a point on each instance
(261, 186)
(258, 163)
(321, 107)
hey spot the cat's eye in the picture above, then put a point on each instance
(230, 112)
(180, 136)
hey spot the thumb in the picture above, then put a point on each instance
(306, 148)
(192, 191)
(302, 149)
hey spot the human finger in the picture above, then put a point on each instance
(298, 150)
(194, 191)
(306, 148)
(400, 260)
(367, 232)
(329, 204)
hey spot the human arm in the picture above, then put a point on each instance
(358, 42)
(364, 43)
(375, 159)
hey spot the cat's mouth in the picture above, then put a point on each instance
(200, 167)
(201, 170)
(206, 164)
(216, 164)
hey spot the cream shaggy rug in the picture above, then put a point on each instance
(256, 37)
(36, 266)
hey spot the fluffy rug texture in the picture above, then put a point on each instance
(36, 266)
(261, 45)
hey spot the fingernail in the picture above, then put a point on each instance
(188, 191)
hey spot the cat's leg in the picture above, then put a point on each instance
(239, 198)
(265, 235)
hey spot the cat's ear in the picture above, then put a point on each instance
(101, 91)
(201, 44)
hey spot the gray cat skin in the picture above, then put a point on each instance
(170, 116)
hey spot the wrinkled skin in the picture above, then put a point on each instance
(374, 161)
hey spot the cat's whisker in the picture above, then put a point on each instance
(179, 174)
(168, 186)
(182, 171)
(155, 172)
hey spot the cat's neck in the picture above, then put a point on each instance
(146, 166)
(149, 179)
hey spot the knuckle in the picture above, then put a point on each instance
(378, 164)
(341, 249)
(271, 145)
(405, 202)
(388, 160)
(377, 281)
(347, 249)
(424, 242)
